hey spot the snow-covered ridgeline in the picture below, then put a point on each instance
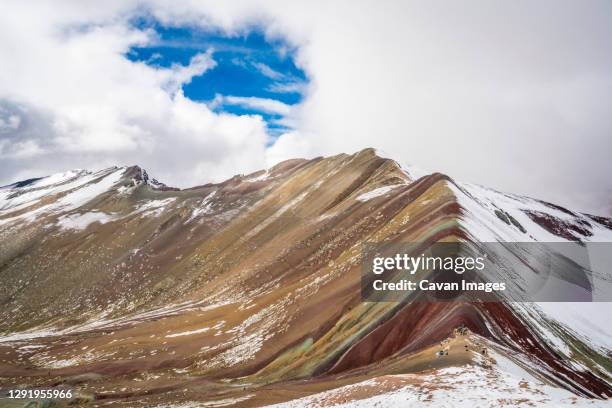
(492, 216)
(78, 187)
(62, 193)
(482, 223)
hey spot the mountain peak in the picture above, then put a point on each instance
(139, 176)
(256, 280)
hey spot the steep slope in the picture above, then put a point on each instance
(248, 291)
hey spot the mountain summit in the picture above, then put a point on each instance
(247, 292)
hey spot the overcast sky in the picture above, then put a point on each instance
(515, 95)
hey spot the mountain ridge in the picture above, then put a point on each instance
(255, 280)
(140, 173)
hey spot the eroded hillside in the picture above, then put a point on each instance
(248, 291)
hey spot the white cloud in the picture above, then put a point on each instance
(512, 95)
(258, 104)
(288, 87)
(288, 146)
(82, 103)
(267, 71)
(9, 123)
(179, 75)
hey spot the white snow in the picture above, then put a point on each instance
(292, 203)
(248, 338)
(537, 321)
(510, 367)
(600, 233)
(592, 322)
(207, 404)
(57, 178)
(78, 187)
(466, 386)
(27, 335)
(205, 206)
(155, 184)
(82, 221)
(188, 333)
(125, 190)
(59, 183)
(264, 176)
(482, 223)
(18, 198)
(381, 191)
(86, 193)
(227, 401)
(154, 208)
(484, 226)
(100, 321)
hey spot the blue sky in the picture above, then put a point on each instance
(248, 65)
(430, 85)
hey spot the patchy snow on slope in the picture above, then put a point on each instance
(88, 192)
(44, 360)
(205, 206)
(510, 367)
(248, 338)
(486, 209)
(155, 184)
(82, 221)
(544, 330)
(125, 190)
(589, 321)
(278, 213)
(154, 208)
(58, 178)
(189, 333)
(15, 199)
(77, 190)
(484, 225)
(100, 321)
(381, 191)
(264, 176)
(225, 402)
(28, 335)
(27, 217)
(82, 182)
(467, 386)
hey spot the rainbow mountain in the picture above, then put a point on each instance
(247, 292)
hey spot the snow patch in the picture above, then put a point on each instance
(381, 191)
(57, 178)
(88, 192)
(262, 177)
(154, 208)
(189, 333)
(467, 386)
(591, 322)
(205, 206)
(82, 221)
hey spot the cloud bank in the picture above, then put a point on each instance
(513, 95)
(70, 98)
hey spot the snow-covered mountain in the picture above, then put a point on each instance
(247, 292)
